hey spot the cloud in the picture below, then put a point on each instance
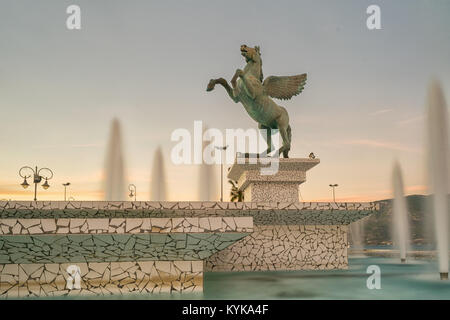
(380, 144)
(375, 113)
(362, 198)
(306, 119)
(15, 193)
(82, 145)
(86, 145)
(411, 120)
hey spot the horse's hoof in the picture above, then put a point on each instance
(210, 86)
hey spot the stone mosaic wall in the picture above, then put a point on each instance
(32, 280)
(114, 255)
(263, 213)
(257, 191)
(125, 225)
(290, 247)
(116, 244)
(108, 248)
(117, 239)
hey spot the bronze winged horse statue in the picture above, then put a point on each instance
(248, 87)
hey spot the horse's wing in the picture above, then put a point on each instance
(284, 87)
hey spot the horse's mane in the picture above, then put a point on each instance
(261, 77)
(258, 50)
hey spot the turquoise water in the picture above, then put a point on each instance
(416, 279)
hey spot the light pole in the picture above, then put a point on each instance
(334, 186)
(133, 192)
(37, 178)
(221, 170)
(65, 187)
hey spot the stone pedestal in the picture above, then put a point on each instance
(279, 186)
(284, 243)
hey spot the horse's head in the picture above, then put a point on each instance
(251, 54)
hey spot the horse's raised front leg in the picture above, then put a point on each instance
(212, 83)
(253, 85)
(237, 74)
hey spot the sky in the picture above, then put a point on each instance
(147, 63)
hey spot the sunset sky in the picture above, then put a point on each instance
(148, 63)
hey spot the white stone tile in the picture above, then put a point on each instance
(8, 222)
(62, 222)
(184, 266)
(27, 223)
(204, 223)
(98, 224)
(48, 225)
(197, 266)
(216, 223)
(35, 230)
(132, 223)
(74, 223)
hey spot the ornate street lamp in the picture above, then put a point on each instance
(133, 192)
(223, 148)
(28, 172)
(65, 189)
(334, 186)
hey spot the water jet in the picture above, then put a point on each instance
(158, 188)
(114, 179)
(400, 213)
(207, 189)
(438, 170)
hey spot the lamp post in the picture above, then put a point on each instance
(65, 189)
(26, 172)
(221, 170)
(133, 192)
(333, 186)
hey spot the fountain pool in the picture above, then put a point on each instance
(416, 279)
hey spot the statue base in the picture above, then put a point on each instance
(270, 179)
(280, 242)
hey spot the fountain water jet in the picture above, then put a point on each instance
(158, 186)
(357, 234)
(438, 170)
(400, 212)
(207, 187)
(114, 182)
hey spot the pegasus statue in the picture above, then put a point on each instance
(248, 87)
